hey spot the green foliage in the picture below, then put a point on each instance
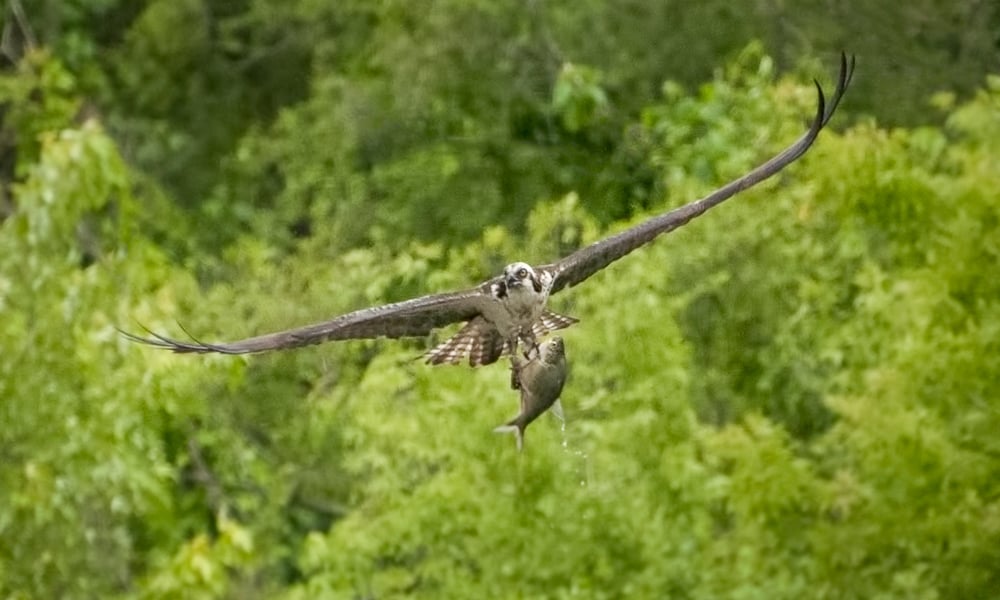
(790, 397)
(40, 97)
(315, 109)
(578, 96)
(82, 466)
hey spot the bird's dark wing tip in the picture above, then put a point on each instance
(157, 340)
(847, 64)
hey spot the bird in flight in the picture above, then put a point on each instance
(510, 309)
(540, 381)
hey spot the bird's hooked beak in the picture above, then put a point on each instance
(517, 275)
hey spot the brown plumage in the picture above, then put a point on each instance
(483, 344)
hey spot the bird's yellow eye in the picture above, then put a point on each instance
(522, 273)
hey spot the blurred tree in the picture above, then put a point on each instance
(792, 397)
(281, 118)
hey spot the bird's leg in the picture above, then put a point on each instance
(531, 350)
(515, 371)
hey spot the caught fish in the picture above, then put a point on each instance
(540, 381)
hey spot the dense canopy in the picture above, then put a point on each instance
(792, 397)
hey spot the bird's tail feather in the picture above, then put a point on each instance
(549, 322)
(478, 340)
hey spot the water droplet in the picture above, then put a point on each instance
(577, 456)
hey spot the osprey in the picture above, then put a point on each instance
(541, 381)
(510, 309)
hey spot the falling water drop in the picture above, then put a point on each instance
(578, 456)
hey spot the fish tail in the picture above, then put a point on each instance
(512, 428)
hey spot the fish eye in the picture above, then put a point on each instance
(522, 273)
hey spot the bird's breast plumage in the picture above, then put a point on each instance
(516, 309)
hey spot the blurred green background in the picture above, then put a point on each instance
(796, 396)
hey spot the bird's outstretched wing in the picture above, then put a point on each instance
(583, 263)
(411, 318)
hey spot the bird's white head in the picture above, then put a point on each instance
(520, 274)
